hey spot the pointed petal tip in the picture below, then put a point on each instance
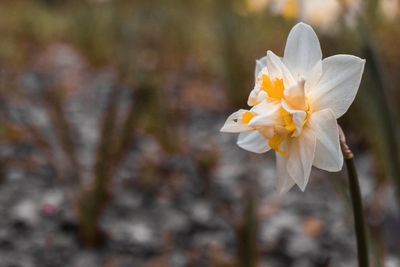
(223, 129)
(303, 188)
(363, 60)
(303, 24)
(302, 50)
(272, 55)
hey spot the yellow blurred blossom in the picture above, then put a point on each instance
(390, 8)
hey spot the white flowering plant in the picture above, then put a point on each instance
(295, 104)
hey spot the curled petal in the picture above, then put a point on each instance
(301, 157)
(328, 155)
(274, 65)
(302, 51)
(252, 100)
(256, 96)
(253, 142)
(277, 69)
(267, 114)
(266, 107)
(234, 123)
(264, 120)
(298, 117)
(338, 85)
(260, 64)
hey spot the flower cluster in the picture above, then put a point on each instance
(294, 107)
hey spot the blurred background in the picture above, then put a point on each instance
(110, 150)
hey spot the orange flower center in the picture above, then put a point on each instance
(247, 116)
(274, 88)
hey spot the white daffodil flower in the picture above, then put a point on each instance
(294, 107)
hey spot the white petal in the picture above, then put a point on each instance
(267, 114)
(260, 64)
(253, 142)
(298, 117)
(313, 77)
(256, 96)
(266, 107)
(296, 96)
(274, 65)
(252, 100)
(263, 120)
(302, 51)
(338, 85)
(267, 132)
(262, 95)
(301, 157)
(284, 181)
(278, 70)
(234, 123)
(328, 155)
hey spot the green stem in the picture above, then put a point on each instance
(359, 224)
(356, 201)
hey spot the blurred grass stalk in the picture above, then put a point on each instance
(115, 143)
(247, 251)
(117, 136)
(54, 103)
(232, 55)
(94, 198)
(389, 145)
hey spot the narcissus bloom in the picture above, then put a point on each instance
(294, 107)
